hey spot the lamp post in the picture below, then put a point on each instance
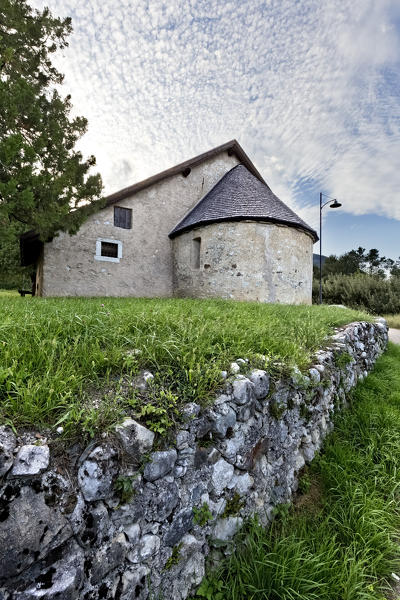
(335, 204)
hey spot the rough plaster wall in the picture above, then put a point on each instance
(145, 268)
(245, 261)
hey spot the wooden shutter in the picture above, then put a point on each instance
(122, 217)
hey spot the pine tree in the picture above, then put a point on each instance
(42, 177)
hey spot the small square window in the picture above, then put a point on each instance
(122, 217)
(109, 249)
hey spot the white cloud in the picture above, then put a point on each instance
(310, 89)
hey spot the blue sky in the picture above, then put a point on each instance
(310, 89)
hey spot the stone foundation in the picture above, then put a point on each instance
(123, 520)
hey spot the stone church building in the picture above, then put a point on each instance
(207, 228)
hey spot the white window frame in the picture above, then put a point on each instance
(98, 255)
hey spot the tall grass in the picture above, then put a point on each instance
(52, 351)
(393, 320)
(342, 542)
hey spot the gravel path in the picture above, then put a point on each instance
(394, 335)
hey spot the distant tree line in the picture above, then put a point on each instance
(360, 279)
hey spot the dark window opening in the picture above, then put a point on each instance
(186, 171)
(109, 249)
(122, 217)
(196, 245)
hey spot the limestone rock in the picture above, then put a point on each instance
(182, 439)
(160, 500)
(161, 464)
(149, 545)
(225, 529)
(61, 579)
(190, 574)
(135, 580)
(96, 473)
(260, 380)
(308, 452)
(232, 446)
(96, 525)
(299, 461)
(222, 420)
(221, 475)
(135, 439)
(181, 524)
(108, 557)
(234, 368)
(7, 446)
(29, 528)
(132, 532)
(315, 375)
(191, 410)
(31, 460)
(242, 483)
(243, 390)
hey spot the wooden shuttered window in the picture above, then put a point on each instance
(122, 217)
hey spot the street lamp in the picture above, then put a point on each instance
(335, 204)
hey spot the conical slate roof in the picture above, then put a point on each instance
(240, 195)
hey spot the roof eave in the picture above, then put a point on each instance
(309, 231)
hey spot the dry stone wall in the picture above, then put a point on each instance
(124, 520)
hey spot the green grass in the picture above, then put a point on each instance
(393, 321)
(340, 541)
(61, 360)
(9, 294)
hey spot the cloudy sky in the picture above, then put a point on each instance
(310, 89)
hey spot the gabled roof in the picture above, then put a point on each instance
(232, 147)
(240, 195)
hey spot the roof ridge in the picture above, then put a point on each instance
(232, 147)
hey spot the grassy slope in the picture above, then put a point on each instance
(341, 540)
(393, 321)
(52, 351)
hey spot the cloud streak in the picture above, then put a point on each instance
(311, 90)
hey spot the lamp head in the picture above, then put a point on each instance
(335, 204)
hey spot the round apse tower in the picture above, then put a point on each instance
(241, 242)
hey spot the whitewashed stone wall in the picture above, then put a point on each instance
(245, 260)
(69, 267)
(65, 532)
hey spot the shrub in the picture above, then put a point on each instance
(363, 291)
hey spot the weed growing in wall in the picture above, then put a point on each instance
(276, 409)
(343, 359)
(124, 488)
(159, 411)
(202, 515)
(233, 506)
(174, 558)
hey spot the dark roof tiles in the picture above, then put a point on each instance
(240, 195)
